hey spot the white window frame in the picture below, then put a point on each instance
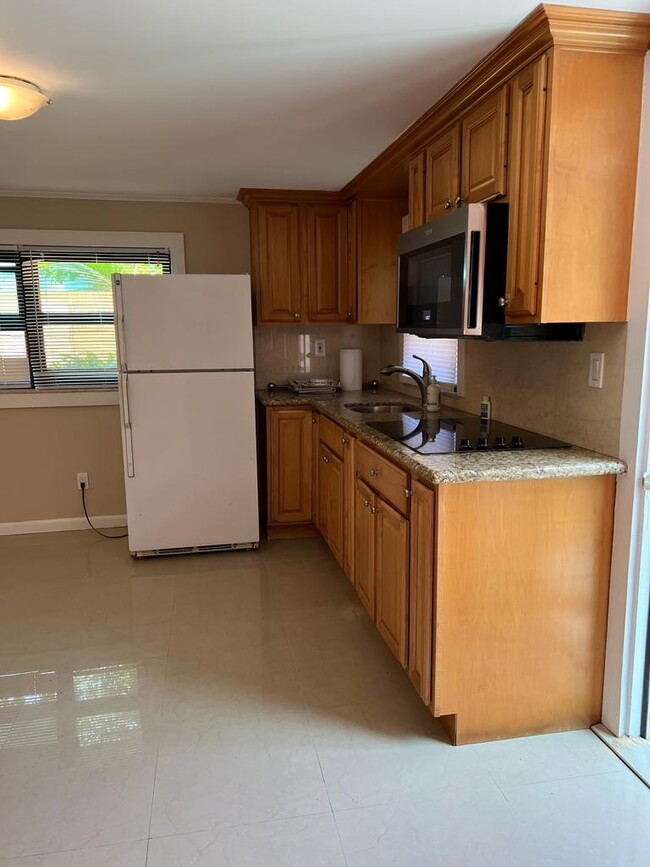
(409, 385)
(173, 241)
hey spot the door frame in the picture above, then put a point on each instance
(627, 634)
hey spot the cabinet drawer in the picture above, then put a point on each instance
(332, 435)
(390, 481)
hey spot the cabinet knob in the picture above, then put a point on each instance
(503, 302)
(448, 205)
(345, 440)
(296, 315)
(349, 314)
(458, 201)
(366, 503)
(374, 510)
(373, 472)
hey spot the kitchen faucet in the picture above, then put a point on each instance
(427, 383)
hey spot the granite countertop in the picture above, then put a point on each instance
(452, 468)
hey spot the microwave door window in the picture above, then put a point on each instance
(435, 286)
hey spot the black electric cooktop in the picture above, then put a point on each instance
(440, 436)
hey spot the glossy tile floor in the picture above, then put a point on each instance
(239, 709)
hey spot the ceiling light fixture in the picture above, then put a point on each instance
(20, 98)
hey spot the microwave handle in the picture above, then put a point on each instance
(473, 279)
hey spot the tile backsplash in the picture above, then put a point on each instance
(284, 351)
(542, 386)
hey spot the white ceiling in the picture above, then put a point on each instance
(197, 98)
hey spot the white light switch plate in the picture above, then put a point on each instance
(596, 369)
(319, 348)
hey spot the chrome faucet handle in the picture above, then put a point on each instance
(426, 369)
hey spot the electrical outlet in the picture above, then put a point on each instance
(82, 478)
(319, 348)
(596, 369)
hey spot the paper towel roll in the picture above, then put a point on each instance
(351, 361)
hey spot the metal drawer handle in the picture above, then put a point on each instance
(373, 472)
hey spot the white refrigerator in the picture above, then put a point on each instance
(187, 408)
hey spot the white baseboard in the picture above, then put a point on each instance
(56, 525)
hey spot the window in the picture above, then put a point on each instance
(443, 354)
(57, 327)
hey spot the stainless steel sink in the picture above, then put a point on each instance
(382, 407)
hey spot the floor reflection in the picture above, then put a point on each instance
(23, 688)
(105, 682)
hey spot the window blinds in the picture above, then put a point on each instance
(65, 314)
(440, 352)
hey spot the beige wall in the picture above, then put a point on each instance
(543, 386)
(45, 448)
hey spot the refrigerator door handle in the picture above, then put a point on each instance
(119, 320)
(126, 420)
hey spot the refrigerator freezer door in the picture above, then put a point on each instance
(194, 461)
(184, 322)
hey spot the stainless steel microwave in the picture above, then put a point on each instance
(452, 279)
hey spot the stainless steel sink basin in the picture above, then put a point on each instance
(382, 407)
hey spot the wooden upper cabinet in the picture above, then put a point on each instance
(416, 191)
(525, 178)
(276, 262)
(326, 250)
(289, 465)
(378, 227)
(484, 148)
(442, 171)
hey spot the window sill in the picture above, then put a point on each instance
(30, 399)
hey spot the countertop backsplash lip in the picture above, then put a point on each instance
(453, 468)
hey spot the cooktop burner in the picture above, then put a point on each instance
(440, 436)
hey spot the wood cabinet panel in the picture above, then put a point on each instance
(392, 567)
(484, 148)
(349, 506)
(330, 500)
(389, 480)
(326, 244)
(442, 173)
(378, 227)
(421, 590)
(416, 191)
(289, 465)
(525, 179)
(527, 633)
(276, 255)
(332, 434)
(364, 546)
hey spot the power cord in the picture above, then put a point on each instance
(90, 523)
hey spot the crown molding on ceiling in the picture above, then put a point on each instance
(115, 197)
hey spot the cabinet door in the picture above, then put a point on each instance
(525, 170)
(330, 499)
(416, 191)
(364, 546)
(276, 231)
(348, 506)
(484, 149)
(421, 596)
(378, 227)
(442, 172)
(392, 569)
(290, 465)
(327, 272)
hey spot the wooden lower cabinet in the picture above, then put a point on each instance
(364, 546)
(421, 591)
(330, 499)
(289, 468)
(349, 505)
(392, 577)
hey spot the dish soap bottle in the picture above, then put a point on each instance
(486, 409)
